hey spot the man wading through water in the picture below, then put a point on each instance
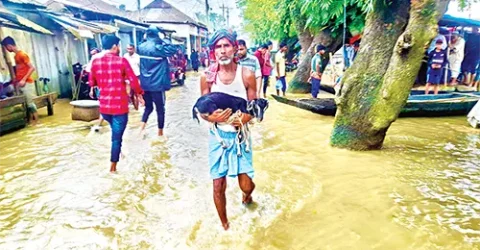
(228, 77)
(110, 74)
(155, 75)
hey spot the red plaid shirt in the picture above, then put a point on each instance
(109, 73)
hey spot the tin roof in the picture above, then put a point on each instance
(160, 11)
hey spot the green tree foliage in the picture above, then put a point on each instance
(216, 20)
(276, 19)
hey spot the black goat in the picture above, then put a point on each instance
(208, 103)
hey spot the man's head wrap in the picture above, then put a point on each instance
(231, 36)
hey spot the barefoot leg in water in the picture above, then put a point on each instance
(219, 188)
(113, 167)
(142, 129)
(247, 186)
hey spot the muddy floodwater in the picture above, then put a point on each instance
(421, 192)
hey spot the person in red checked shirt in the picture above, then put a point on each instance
(110, 74)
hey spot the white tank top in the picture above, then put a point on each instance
(236, 88)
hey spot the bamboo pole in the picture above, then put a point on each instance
(68, 59)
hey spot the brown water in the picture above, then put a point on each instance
(421, 192)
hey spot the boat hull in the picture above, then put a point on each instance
(417, 106)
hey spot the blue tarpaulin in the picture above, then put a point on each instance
(450, 21)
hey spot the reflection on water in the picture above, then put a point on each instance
(421, 192)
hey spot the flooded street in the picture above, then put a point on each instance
(421, 192)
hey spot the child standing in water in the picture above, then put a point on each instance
(437, 59)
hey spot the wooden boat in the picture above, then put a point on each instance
(440, 105)
(418, 105)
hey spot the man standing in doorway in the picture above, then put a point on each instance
(316, 72)
(230, 78)
(110, 73)
(133, 58)
(23, 76)
(250, 62)
(155, 75)
(280, 66)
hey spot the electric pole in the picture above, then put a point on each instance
(223, 7)
(207, 10)
(228, 17)
(223, 10)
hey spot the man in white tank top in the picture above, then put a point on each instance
(228, 77)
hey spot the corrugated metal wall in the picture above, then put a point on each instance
(49, 54)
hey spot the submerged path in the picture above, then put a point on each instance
(421, 192)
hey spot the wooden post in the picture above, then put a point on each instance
(87, 53)
(135, 36)
(68, 58)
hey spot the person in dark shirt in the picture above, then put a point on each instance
(437, 59)
(472, 58)
(155, 75)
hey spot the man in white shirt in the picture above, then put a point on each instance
(133, 58)
(280, 66)
(457, 53)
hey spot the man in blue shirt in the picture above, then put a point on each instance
(317, 70)
(155, 74)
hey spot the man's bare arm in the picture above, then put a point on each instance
(251, 86)
(204, 86)
(259, 86)
(250, 83)
(31, 69)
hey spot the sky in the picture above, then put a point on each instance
(199, 6)
(472, 13)
(186, 6)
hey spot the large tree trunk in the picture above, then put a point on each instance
(299, 83)
(377, 85)
(304, 36)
